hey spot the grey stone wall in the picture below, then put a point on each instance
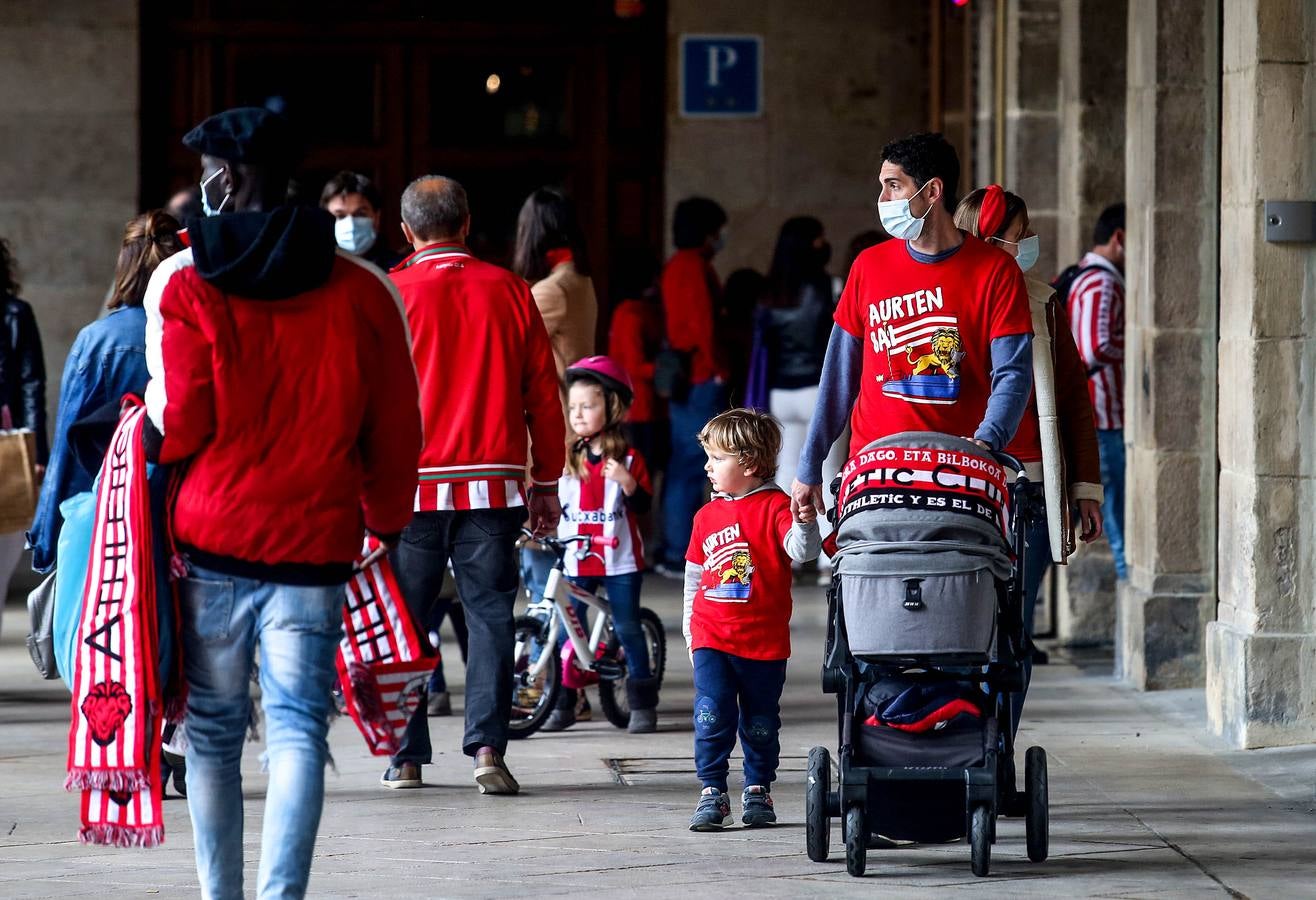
(68, 155)
(839, 82)
(1261, 650)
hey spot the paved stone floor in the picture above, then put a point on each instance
(1143, 804)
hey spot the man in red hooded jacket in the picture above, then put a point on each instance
(281, 378)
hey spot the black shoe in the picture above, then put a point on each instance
(756, 807)
(172, 763)
(713, 812)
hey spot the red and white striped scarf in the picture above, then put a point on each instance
(114, 737)
(382, 665)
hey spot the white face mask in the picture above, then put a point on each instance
(897, 219)
(206, 208)
(355, 234)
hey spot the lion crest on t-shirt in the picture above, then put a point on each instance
(944, 358)
(931, 376)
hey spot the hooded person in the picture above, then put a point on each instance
(281, 377)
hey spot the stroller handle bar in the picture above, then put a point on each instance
(1009, 461)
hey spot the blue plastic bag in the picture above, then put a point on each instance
(72, 553)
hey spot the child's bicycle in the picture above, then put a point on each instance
(538, 669)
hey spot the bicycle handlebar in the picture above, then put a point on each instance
(595, 540)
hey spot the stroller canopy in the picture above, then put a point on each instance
(923, 494)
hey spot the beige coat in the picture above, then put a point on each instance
(1064, 412)
(570, 311)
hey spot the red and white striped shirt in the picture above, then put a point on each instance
(597, 505)
(1096, 316)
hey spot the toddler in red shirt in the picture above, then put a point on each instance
(738, 610)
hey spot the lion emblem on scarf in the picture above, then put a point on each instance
(945, 355)
(106, 706)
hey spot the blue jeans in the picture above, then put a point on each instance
(737, 695)
(624, 598)
(297, 629)
(1110, 441)
(683, 489)
(1037, 560)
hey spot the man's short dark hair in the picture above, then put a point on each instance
(434, 207)
(346, 182)
(1111, 218)
(925, 156)
(695, 220)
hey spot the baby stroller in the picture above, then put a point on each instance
(925, 645)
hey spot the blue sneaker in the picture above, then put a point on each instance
(756, 807)
(713, 812)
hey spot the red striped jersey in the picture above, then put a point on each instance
(1096, 316)
(469, 487)
(597, 505)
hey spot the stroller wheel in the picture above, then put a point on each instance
(856, 841)
(817, 825)
(1038, 822)
(980, 840)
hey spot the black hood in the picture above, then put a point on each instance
(265, 255)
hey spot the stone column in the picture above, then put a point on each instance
(1261, 651)
(1092, 87)
(68, 158)
(1032, 115)
(1170, 421)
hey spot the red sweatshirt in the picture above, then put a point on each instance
(486, 372)
(636, 326)
(689, 286)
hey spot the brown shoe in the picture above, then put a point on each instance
(491, 773)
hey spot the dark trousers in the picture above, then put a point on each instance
(686, 480)
(737, 695)
(482, 546)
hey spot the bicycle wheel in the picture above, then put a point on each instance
(532, 698)
(613, 699)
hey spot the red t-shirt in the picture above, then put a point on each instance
(743, 605)
(927, 330)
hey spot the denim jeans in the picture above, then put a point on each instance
(1037, 560)
(297, 630)
(683, 490)
(482, 546)
(624, 598)
(737, 695)
(1111, 443)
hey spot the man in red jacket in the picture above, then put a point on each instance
(281, 375)
(486, 373)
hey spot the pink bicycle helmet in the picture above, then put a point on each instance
(606, 372)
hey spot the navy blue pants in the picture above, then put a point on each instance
(737, 695)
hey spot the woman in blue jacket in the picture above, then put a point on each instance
(108, 360)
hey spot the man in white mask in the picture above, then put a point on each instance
(932, 331)
(355, 203)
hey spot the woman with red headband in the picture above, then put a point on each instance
(1056, 440)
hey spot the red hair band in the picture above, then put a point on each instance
(991, 214)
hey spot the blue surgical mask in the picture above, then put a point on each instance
(898, 221)
(1027, 250)
(206, 208)
(355, 234)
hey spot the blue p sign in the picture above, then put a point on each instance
(721, 76)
